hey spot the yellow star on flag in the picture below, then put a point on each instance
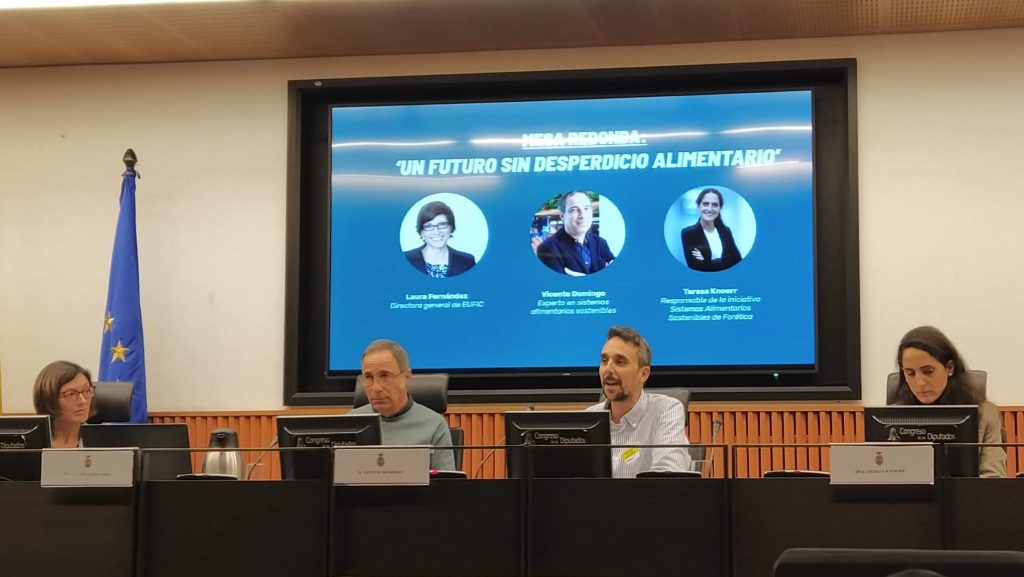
(119, 350)
(108, 322)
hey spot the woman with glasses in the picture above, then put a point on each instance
(64, 391)
(435, 225)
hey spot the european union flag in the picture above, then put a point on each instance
(122, 353)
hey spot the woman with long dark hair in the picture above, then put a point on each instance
(932, 372)
(708, 246)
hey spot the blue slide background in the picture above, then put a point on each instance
(370, 198)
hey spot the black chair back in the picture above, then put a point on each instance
(428, 389)
(113, 402)
(972, 378)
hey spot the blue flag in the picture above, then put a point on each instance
(122, 354)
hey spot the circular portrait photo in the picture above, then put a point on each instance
(577, 233)
(444, 235)
(710, 228)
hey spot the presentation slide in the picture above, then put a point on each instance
(509, 236)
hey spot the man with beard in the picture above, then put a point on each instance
(638, 417)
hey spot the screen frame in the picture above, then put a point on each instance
(153, 465)
(950, 461)
(36, 429)
(833, 84)
(518, 459)
(33, 426)
(354, 424)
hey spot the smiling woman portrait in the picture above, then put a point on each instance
(708, 246)
(435, 224)
(932, 372)
(64, 391)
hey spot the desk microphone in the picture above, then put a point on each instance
(480, 466)
(715, 426)
(252, 466)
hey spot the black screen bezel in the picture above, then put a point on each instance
(833, 83)
(364, 428)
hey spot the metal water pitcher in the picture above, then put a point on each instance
(228, 460)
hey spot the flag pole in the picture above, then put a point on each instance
(122, 349)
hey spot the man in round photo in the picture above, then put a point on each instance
(575, 250)
(435, 224)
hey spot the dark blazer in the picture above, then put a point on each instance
(693, 238)
(458, 261)
(558, 252)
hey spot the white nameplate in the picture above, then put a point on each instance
(378, 465)
(87, 468)
(882, 463)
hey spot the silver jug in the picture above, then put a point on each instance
(225, 461)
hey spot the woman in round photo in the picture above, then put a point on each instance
(932, 372)
(64, 391)
(709, 246)
(435, 225)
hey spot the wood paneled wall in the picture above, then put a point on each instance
(740, 424)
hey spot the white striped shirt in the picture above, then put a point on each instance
(653, 420)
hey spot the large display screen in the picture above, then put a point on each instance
(496, 225)
(497, 236)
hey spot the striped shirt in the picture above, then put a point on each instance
(653, 420)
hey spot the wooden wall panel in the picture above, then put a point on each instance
(767, 425)
(255, 431)
(1013, 422)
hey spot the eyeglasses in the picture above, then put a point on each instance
(382, 379)
(85, 393)
(439, 226)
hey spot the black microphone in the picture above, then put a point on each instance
(252, 466)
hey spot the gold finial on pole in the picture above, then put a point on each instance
(130, 159)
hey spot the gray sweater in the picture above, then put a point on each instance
(417, 425)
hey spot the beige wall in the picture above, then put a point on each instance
(941, 118)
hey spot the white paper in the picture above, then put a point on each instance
(378, 465)
(882, 463)
(87, 468)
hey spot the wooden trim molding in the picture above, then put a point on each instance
(740, 424)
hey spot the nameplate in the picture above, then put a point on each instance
(87, 468)
(389, 465)
(882, 463)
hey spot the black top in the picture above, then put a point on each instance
(458, 261)
(561, 251)
(693, 238)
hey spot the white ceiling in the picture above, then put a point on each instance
(259, 29)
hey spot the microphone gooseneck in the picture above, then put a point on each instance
(252, 466)
(480, 466)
